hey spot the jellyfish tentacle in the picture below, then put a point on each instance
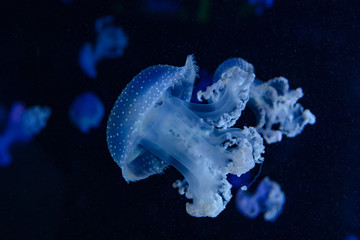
(228, 96)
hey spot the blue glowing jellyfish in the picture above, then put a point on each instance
(87, 111)
(268, 199)
(261, 5)
(110, 43)
(154, 124)
(22, 125)
(351, 237)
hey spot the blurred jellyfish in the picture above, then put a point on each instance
(22, 125)
(268, 199)
(110, 43)
(261, 5)
(87, 111)
(351, 237)
(154, 123)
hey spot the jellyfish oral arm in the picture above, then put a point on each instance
(200, 152)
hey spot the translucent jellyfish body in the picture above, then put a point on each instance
(22, 125)
(86, 112)
(153, 124)
(110, 43)
(268, 199)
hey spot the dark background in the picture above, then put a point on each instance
(65, 185)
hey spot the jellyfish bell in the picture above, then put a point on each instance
(125, 128)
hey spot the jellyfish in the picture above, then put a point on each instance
(110, 43)
(261, 5)
(351, 237)
(268, 199)
(22, 125)
(86, 112)
(154, 125)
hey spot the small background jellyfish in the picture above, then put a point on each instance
(351, 237)
(23, 124)
(261, 5)
(86, 111)
(268, 199)
(111, 42)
